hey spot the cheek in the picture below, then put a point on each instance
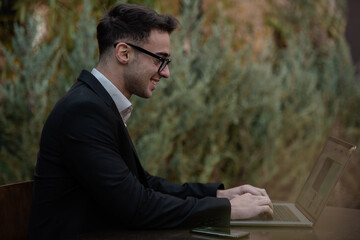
(143, 71)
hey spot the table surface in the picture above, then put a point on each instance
(334, 224)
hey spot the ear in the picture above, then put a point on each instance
(122, 53)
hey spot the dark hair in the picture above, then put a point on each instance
(131, 22)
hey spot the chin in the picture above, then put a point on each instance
(149, 94)
(146, 95)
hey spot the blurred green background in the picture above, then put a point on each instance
(256, 87)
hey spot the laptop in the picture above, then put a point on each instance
(315, 193)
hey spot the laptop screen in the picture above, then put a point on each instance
(324, 176)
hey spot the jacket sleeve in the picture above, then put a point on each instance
(91, 147)
(197, 190)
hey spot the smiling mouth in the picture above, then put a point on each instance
(155, 81)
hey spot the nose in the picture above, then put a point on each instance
(165, 73)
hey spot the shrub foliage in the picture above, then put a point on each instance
(226, 114)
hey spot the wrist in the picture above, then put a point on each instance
(220, 194)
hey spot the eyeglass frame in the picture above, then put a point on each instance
(164, 61)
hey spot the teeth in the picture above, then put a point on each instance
(153, 82)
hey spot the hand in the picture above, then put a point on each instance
(240, 190)
(247, 206)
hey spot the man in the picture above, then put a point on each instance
(88, 176)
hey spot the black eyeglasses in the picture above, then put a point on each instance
(164, 61)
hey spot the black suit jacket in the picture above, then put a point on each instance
(88, 176)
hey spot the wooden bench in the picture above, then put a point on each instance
(15, 202)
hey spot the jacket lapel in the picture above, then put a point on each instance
(96, 86)
(128, 150)
(141, 174)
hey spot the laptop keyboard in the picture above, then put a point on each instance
(283, 213)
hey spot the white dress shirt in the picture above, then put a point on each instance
(122, 103)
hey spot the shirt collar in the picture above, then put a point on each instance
(122, 103)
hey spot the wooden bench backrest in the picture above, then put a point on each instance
(15, 202)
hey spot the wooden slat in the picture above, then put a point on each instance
(15, 202)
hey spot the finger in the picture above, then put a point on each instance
(254, 190)
(261, 200)
(262, 192)
(266, 210)
(258, 191)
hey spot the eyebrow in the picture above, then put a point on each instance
(163, 54)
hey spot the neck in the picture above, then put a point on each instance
(115, 77)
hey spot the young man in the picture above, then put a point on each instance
(88, 176)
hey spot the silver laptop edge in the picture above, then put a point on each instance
(308, 219)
